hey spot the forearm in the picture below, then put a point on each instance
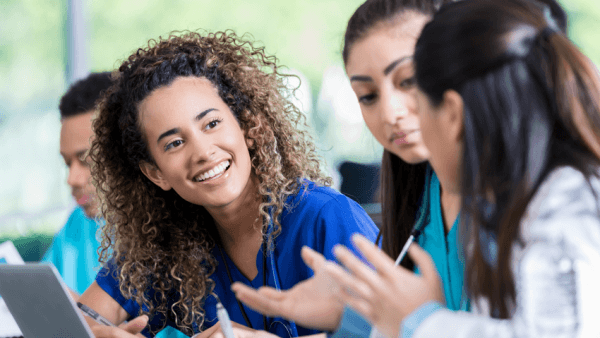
(460, 324)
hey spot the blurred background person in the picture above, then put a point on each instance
(74, 249)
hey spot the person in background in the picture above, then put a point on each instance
(74, 249)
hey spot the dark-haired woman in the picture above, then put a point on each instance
(378, 49)
(206, 180)
(378, 55)
(510, 113)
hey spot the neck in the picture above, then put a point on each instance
(239, 226)
(239, 222)
(450, 205)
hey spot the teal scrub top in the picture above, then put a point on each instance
(74, 251)
(444, 249)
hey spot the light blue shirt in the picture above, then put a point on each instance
(74, 251)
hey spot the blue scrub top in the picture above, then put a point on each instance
(444, 249)
(317, 217)
(74, 251)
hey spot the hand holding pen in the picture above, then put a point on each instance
(108, 329)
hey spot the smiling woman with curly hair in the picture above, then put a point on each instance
(206, 179)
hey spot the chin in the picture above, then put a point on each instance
(91, 212)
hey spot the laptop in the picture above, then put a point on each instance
(8, 327)
(39, 301)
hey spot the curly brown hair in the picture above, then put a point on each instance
(158, 240)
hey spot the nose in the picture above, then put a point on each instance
(79, 174)
(202, 149)
(393, 108)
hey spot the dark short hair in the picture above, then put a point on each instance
(83, 94)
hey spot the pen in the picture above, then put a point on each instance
(94, 315)
(410, 240)
(226, 326)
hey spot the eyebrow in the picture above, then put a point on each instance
(78, 154)
(177, 130)
(393, 65)
(386, 71)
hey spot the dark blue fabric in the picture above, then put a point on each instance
(317, 217)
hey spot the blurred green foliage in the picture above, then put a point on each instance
(305, 35)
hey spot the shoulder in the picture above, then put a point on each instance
(565, 205)
(321, 217)
(78, 218)
(318, 200)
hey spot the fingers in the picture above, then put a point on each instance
(350, 286)
(209, 332)
(103, 331)
(313, 259)
(423, 260)
(266, 300)
(358, 268)
(136, 325)
(382, 263)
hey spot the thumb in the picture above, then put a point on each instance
(313, 259)
(136, 325)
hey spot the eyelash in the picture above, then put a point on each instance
(216, 119)
(173, 144)
(411, 82)
(369, 98)
(212, 124)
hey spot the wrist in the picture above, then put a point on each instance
(411, 322)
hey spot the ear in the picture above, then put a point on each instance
(153, 173)
(453, 108)
(249, 142)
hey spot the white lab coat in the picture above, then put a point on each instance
(563, 208)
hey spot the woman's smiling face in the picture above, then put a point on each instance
(197, 144)
(381, 72)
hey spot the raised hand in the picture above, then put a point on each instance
(311, 303)
(386, 295)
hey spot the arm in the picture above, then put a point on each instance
(107, 307)
(564, 209)
(388, 293)
(312, 302)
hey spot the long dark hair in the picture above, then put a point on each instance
(530, 105)
(401, 183)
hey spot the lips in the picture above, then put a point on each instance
(400, 137)
(83, 199)
(214, 172)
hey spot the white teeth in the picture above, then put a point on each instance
(213, 172)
